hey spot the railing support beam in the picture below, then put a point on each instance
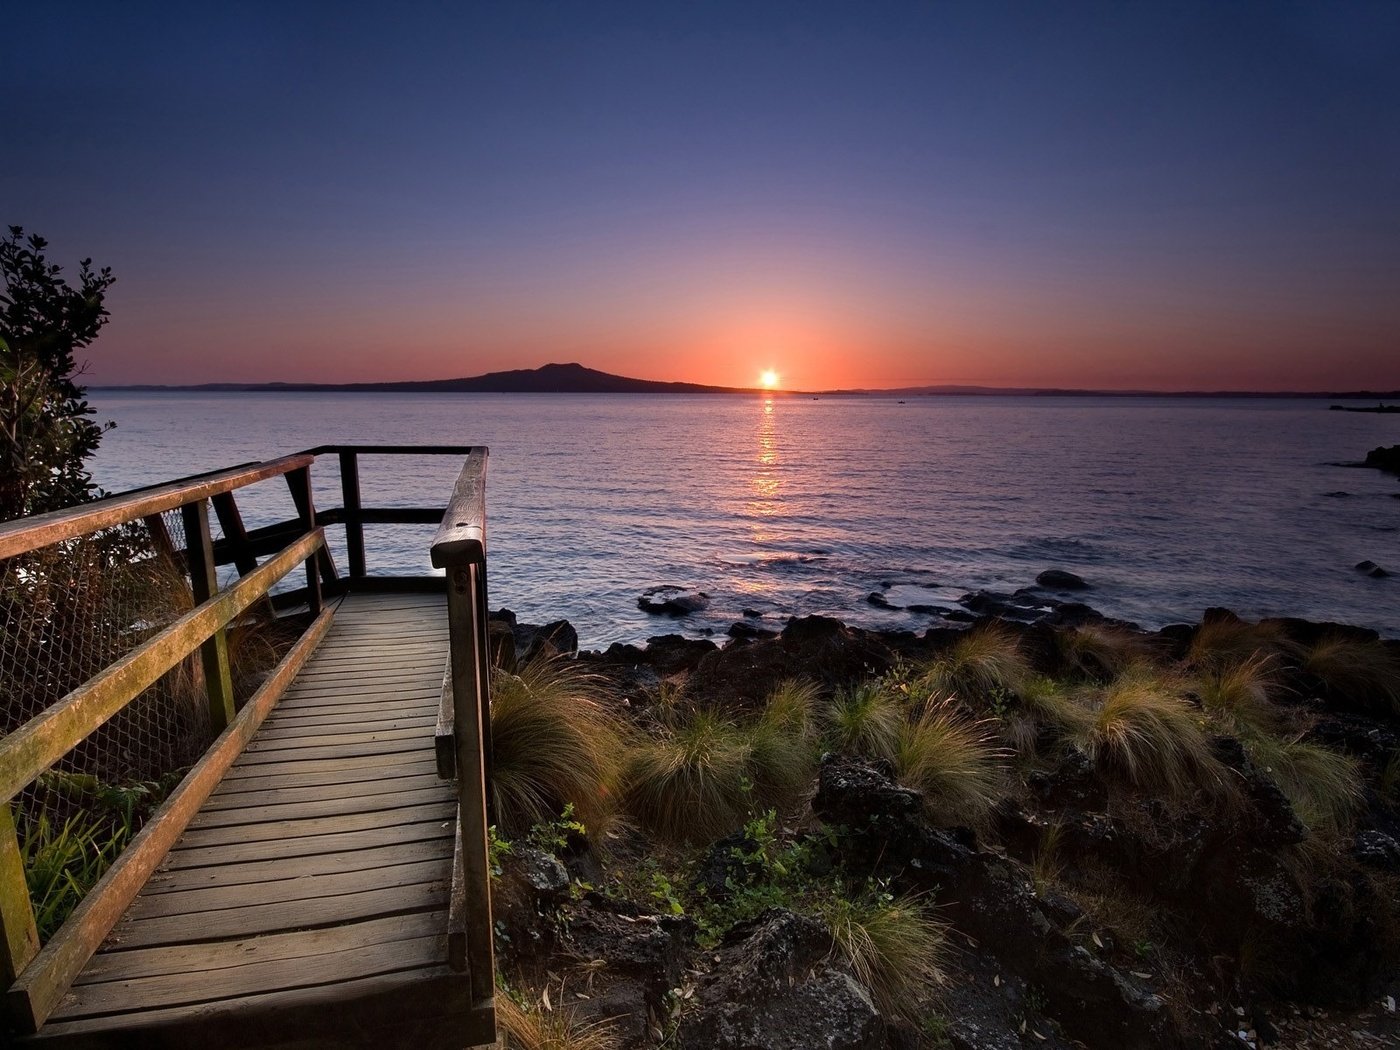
(19, 937)
(204, 582)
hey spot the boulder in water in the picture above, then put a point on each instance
(670, 600)
(1061, 580)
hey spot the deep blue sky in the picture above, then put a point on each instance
(1117, 194)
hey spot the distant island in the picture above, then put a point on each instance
(574, 378)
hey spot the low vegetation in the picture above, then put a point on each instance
(893, 946)
(953, 761)
(553, 742)
(534, 1027)
(985, 664)
(1367, 673)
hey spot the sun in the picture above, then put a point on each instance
(768, 379)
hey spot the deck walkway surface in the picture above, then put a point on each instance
(306, 903)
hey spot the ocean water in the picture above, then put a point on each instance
(792, 505)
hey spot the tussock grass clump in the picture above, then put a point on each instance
(954, 762)
(1055, 704)
(1240, 694)
(893, 946)
(1221, 643)
(553, 743)
(865, 720)
(1359, 670)
(1099, 653)
(782, 743)
(533, 1028)
(692, 784)
(1142, 729)
(984, 662)
(1324, 786)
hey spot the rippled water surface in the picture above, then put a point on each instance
(795, 505)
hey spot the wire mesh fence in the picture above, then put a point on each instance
(67, 612)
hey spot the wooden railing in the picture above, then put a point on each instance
(463, 736)
(36, 977)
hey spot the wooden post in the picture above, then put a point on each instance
(468, 653)
(160, 537)
(204, 582)
(19, 937)
(354, 521)
(299, 482)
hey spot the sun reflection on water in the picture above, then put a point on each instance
(766, 482)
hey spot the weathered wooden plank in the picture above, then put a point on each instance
(284, 765)
(284, 829)
(303, 742)
(213, 956)
(172, 990)
(390, 782)
(402, 1011)
(340, 729)
(33, 996)
(256, 918)
(377, 747)
(41, 530)
(302, 869)
(352, 775)
(47, 737)
(299, 887)
(444, 735)
(19, 937)
(331, 716)
(328, 693)
(327, 807)
(239, 851)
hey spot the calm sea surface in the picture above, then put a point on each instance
(794, 505)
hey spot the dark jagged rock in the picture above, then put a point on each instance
(1062, 580)
(638, 958)
(878, 600)
(751, 614)
(774, 988)
(1371, 569)
(669, 600)
(531, 887)
(814, 647)
(727, 865)
(1383, 458)
(1071, 784)
(533, 640)
(747, 632)
(1377, 850)
(672, 653)
(1273, 821)
(993, 900)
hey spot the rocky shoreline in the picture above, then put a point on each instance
(1088, 906)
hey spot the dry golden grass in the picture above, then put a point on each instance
(534, 1028)
(1143, 730)
(893, 946)
(982, 663)
(864, 720)
(782, 742)
(553, 742)
(1100, 653)
(1362, 671)
(1239, 695)
(1324, 786)
(1221, 643)
(692, 784)
(953, 762)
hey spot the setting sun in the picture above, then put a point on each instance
(768, 379)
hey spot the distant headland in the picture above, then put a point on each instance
(574, 378)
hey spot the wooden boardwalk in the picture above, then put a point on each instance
(306, 904)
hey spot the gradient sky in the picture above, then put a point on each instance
(1167, 195)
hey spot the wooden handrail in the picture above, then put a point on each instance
(461, 538)
(460, 548)
(26, 534)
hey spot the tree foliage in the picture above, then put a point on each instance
(45, 430)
